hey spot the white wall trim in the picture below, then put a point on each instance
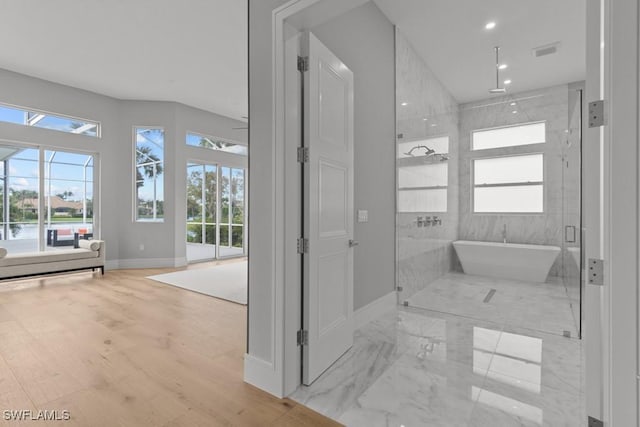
(621, 211)
(375, 309)
(117, 264)
(262, 374)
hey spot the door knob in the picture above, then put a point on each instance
(353, 243)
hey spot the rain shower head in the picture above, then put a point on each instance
(427, 151)
(497, 89)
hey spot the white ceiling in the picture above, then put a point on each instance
(188, 51)
(450, 37)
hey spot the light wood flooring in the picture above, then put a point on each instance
(123, 350)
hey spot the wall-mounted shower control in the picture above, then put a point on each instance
(436, 221)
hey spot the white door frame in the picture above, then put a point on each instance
(612, 200)
(617, 220)
(281, 374)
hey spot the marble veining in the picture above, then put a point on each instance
(424, 254)
(420, 367)
(546, 307)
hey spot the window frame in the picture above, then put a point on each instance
(520, 124)
(211, 137)
(403, 161)
(509, 184)
(426, 187)
(134, 139)
(37, 112)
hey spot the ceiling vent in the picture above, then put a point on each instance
(546, 49)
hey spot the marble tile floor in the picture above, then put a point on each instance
(415, 367)
(545, 307)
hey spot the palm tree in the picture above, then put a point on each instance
(148, 163)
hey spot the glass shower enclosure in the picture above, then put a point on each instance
(501, 171)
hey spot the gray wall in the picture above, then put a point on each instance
(261, 318)
(164, 243)
(363, 39)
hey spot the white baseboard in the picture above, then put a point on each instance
(117, 264)
(180, 262)
(375, 309)
(262, 374)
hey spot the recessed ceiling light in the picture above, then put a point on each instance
(507, 82)
(433, 125)
(404, 104)
(490, 25)
(425, 119)
(512, 104)
(502, 66)
(515, 111)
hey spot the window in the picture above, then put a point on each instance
(149, 158)
(512, 184)
(509, 136)
(423, 188)
(60, 123)
(214, 143)
(34, 220)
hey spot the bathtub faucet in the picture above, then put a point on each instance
(504, 233)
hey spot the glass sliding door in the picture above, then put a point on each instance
(215, 212)
(46, 198)
(237, 209)
(68, 198)
(201, 211)
(232, 212)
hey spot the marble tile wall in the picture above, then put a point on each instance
(424, 253)
(425, 109)
(560, 150)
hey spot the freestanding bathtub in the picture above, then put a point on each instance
(530, 263)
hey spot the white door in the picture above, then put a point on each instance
(328, 209)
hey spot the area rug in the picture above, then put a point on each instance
(226, 281)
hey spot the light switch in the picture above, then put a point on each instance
(363, 216)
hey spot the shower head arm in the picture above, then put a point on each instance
(428, 151)
(497, 67)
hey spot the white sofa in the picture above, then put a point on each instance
(90, 255)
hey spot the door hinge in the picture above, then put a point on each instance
(596, 272)
(303, 337)
(303, 154)
(596, 114)
(303, 63)
(303, 245)
(594, 422)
